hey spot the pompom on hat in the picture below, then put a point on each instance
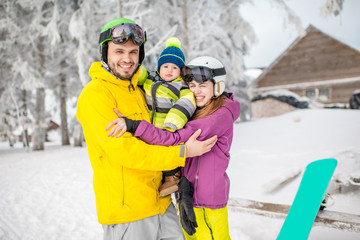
(172, 53)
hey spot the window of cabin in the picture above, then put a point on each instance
(310, 93)
(324, 94)
(318, 94)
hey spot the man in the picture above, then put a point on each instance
(127, 171)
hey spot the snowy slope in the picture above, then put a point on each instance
(48, 195)
(266, 149)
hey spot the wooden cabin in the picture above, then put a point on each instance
(317, 66)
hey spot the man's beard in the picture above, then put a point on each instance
(128, 75)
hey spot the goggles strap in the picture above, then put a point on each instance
(105, 35)
(219, 71)
(205, 73)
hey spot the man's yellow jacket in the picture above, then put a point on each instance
(126, 171)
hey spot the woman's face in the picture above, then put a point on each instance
(203, 92)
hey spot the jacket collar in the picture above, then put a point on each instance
(233, 106)
(96, 71)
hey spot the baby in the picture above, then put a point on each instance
(170, 101)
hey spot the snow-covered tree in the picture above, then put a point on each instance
(27, 41)
(41, 60)
(14, 47)
(61, 70)
(43, 18)
(332, 7)
(84, 28)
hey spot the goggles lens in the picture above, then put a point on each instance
(200, 74)
(123, 32)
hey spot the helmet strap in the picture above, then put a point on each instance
(104, 52)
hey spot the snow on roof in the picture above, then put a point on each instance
(253, 73)
(284, 92)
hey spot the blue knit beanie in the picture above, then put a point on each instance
(172, 54)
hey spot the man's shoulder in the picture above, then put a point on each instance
(93, 83)
(94, 87)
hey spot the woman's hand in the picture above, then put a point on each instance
(119, 125)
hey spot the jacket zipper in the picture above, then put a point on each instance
(196, 180)
(226, 194)
(226, 187)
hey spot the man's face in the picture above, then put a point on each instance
(123, 59)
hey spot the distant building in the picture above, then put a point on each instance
(316, 66)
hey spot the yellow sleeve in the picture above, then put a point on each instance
(95, 111)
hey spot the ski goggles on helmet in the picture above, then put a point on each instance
(121, 33)
(200, 74)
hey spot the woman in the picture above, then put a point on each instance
(215, 114)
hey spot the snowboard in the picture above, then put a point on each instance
(308, 199)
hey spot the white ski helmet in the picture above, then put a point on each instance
(206, 68)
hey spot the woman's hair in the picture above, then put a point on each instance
(214, 105)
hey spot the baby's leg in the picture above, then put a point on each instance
(171, 179)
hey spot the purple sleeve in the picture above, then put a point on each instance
(156, 136)
(215, 124)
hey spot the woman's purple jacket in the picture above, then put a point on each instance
(207, 173)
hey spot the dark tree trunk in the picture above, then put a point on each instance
(63, 95)
(40, 131)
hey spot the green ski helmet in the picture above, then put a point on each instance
(120, 30)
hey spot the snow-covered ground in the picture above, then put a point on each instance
(49, 195)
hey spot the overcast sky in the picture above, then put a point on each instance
(273, 37)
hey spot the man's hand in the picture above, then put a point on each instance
(196, 148)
